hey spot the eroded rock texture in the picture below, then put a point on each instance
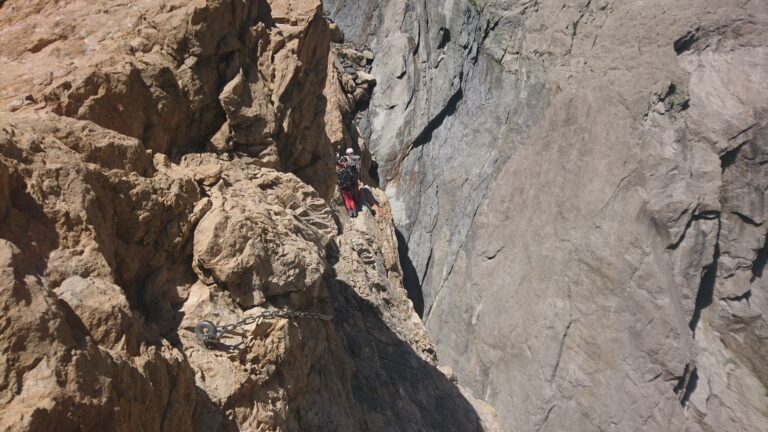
(580, 187)
(167, 162)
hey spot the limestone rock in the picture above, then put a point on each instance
(261, 238)
(166, 90)
(335, 127)
(249, 110)
(104, 310)
(170, 162)
(365, 78)
(65, 380)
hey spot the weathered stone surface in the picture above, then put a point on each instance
(60, 378)
(335, 126)
(181, 77)
(163, 163)
(264, 234)
(365, 78)
(579, 190)
(104, 310)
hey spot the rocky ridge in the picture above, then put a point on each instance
(167, 162)
(579, 190)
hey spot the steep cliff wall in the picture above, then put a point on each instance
(163, 163)
(580, 186)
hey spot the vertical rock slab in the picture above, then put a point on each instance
(581, 199)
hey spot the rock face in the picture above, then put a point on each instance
(163, 163)
(580, 191)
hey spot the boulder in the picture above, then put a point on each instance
(104, 310)
(365, 78)
(353, 56)
(348, 83)
(260, 238)
(337, 35)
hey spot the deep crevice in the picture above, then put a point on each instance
(450, 108)
(374, 172)
(679, 241)
(686, 42)
(706, 289)
(691, 383)
(411, 281)
(443, 37)
(729, 157)
(687, 384)
(747, 220)
(681, 381)
(746, 296)
(560, 350)
(546, 418)
(490, 27)
(671, 90)
(758, 266)
(705, 215)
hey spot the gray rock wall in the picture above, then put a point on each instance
(580, 187)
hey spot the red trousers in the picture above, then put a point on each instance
(349, 200)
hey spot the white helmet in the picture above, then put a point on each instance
(350, 151)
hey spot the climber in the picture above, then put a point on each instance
(357, 162)
(348, 177)
(347, 158)
(354, 161)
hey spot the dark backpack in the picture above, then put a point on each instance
(347, 178)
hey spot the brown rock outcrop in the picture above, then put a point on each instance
(163, 163)
(62, 371)
(265, 234)
(173, 74)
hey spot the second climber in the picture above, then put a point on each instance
(348, 175)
